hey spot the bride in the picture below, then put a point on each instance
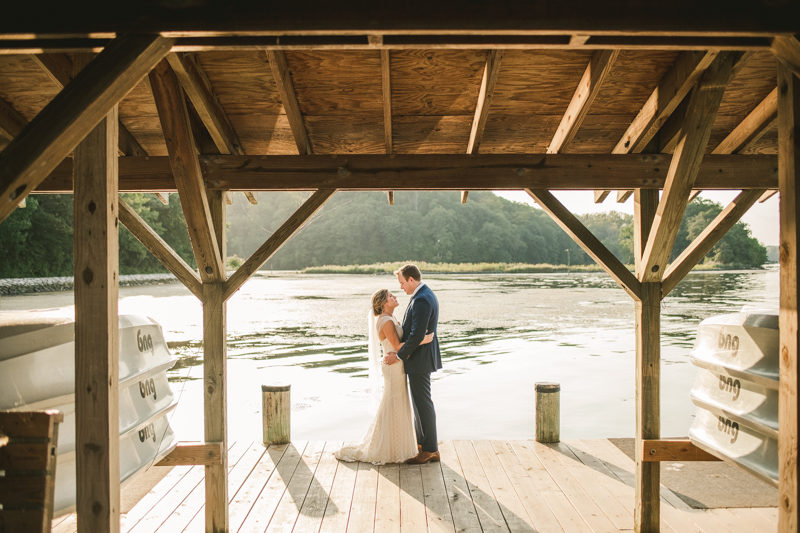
(391, 437)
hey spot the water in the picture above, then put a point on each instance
(499, 335)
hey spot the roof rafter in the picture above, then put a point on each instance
(283, 79)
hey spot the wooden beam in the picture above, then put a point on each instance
(437, 172)
(710, 236)
(766, 196)
(195, 82)
(755, 124)
(645, 205)
(600, 196)
(789, 322)
(283, 80)
(700, 115)
(58, 68)
(622, 196)
(654, 451)
(491, 72)
(386, 86)
(277, 240)
(586, 240)
(163, 197)
(96, 265)
(693, 195)
(174, 117)
(160, 249)
(390, 196)
(194, 453)
(787, 50)
(75, 111)
(11, 121)
(585, 93)
(252, 197)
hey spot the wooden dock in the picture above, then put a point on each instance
(480, 486)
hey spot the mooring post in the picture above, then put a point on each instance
(276, 408)
(548, 412)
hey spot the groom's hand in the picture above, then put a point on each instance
(390, 358)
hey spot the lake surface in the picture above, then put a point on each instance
(499, 335)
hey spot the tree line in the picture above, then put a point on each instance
(359, 228)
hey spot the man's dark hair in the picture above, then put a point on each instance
(409, 271)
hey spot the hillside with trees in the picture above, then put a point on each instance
(359, 228)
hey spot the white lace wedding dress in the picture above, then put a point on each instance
(391, 437)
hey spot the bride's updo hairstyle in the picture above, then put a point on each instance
(379, 299)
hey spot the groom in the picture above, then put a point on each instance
(422, 316)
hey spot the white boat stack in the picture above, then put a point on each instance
(37, 371)
(736, 391)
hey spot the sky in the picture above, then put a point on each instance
(762, 218)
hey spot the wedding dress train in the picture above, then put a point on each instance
(390, 437)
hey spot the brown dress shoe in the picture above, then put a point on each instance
(424, 457)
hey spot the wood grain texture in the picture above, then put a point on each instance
(283, 79)
(587, 241)
(585, 94)
(491, 72)
(645, 205)
(693, 138)
(25, 85)
(654, 451)
(436, 172)
(58, 128)
(752, 127)
(192, 453)
(647, 513)
(787, 50)
(174, 117)
(58, 68)
(431, 134)
(788, 168)
(11, 121)
(160, 249)
(215, 401)
(705, 241)
(277, 240)
(96, 265)
(386, 94)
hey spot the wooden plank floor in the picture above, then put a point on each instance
(480, 486)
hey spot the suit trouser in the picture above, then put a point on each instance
(424, 413)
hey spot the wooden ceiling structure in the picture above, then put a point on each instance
(207, 97)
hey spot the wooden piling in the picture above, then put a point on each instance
(548, 412)
(276, 406)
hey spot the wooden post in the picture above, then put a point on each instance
(97, 327)
(788, 164)
(548, 412)
(648, 411)
(215, 352)
(276, 406)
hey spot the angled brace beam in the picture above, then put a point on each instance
(586, 92)
(73, 113)
(710, 236)
(386, 93)
(185, 166)
(276, 241)
(11, 121)
(58, 68)
(491, 71)
(283, 79)
(160, 249)
(700, 115)
(752, 128)
(586, 240)
(787, 50)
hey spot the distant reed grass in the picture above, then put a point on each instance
(452, 268)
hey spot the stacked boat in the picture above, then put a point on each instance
(37, 371)
(736, 391)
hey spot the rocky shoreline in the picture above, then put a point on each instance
(31, 285)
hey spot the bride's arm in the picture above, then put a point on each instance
(390, 333)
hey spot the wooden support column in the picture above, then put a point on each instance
(788, 166)
(97, 328)
(215, 352)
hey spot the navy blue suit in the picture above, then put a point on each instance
(422, 317)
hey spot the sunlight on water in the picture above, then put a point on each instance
(499, 335)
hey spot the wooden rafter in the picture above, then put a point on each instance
(767, 195)
(11, 121)
(671, 91)
(491, 71)
(276, 241)
(283, 79)
(58, 68)
(600, 196)
(586, 240)
(582, 100)
(693, 195)
(160, 249)
(174, 118)
(386, 91)
(752, 128)
(75, 111)
(623, 195)
(710, 236)
(787, 50)
(436, 172)
(700, 115)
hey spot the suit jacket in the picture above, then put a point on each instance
(422, 316)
